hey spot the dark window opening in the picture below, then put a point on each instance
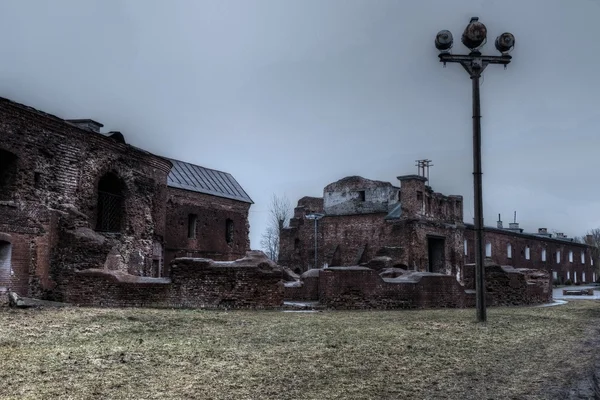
(192, 223)
(110, 204)
(229, 231)
(361, 195)
(419, 195)
(8, 174)
(399, 196)
(296, 244)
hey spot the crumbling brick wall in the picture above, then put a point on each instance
(209, 239)
(359, 287)
(251, 282)
(54, 191)
(507, 286)
(306, 289)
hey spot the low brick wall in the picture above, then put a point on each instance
(508, 286)
(363, 288)
(251, 282)
(306, 289)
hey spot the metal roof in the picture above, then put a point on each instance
(204, 180)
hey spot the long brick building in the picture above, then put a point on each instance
(419, 229)
(72, 198)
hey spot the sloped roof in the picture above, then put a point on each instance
(192, 177)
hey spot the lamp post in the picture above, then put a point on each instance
(474, 37)
(315, 217)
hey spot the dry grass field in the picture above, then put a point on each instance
(189, 354)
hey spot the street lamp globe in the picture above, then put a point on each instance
(505, 43)
(444, 41)
(474, 35)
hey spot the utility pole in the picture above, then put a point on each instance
(474, 37)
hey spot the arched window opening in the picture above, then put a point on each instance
(8, 174)
(5, 267)
(110, 204)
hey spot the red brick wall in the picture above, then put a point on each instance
(210, 241)
(364, 288)
(193, 283)
(500, 239)
(308, 290)
(506, 286)
(58, 167)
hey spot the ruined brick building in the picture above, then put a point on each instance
(419, 229)
(72, 198)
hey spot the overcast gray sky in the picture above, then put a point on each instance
(290, 95)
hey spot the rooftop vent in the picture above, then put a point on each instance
(87, 124)
(543, 230)
(513, 226)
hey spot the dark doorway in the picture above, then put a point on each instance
(435, 252)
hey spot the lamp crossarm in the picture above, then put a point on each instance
(474, 63)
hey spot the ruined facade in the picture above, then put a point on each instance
(419, 230)
(72, 198)
(416, 227)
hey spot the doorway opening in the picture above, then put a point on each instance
(435, 252)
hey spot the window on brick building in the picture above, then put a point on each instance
(361, 195)
(583, 277)
(544, 255)
(555, 275)
(192, 225)
(488, 249)
(558, 257)
(8, 174)
(110, 203)
(229, 231)
(509, 250)
(5, 266)
(568, 275)
(527, 253)
(466, 247)
(419, 195)
(583, 257)
(571, 256)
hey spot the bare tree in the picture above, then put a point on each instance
(280, 212)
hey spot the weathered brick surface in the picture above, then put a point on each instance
(354, 231)
(356, 287)
(306, 289)
(251, 282)
(50, 174)
(499, 240)
(506, 286)
(210, 238)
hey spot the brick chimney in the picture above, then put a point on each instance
(412, 195)
(499, 222)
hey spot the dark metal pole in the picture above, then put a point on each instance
(477, 180)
